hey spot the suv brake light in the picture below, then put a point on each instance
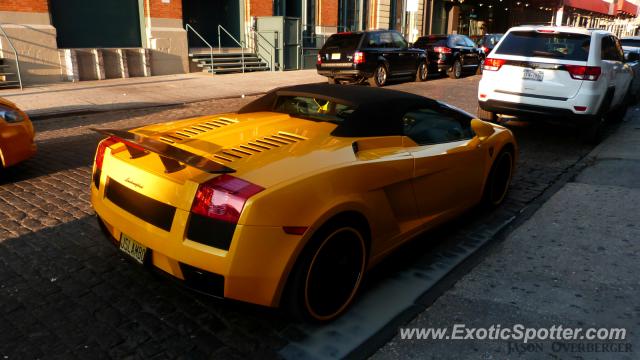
(442, 49)
(319, 61)
(492, 64)
(223, 198)
(588, 73)
(358, 57)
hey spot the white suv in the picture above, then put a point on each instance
(555, 72)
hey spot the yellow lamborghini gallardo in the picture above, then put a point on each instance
(291, 199)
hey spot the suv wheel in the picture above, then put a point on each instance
(480, 66)
(379, 77)
(456, 70)
(485, 115)
(423, 72)
(593, 130)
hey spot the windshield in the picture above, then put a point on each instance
(313, 108)
(567, 46)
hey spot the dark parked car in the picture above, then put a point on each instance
(373, 56)
(487, 42)
(453, 54)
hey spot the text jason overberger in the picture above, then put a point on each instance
(585, 347)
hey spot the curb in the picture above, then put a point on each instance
(88, 111)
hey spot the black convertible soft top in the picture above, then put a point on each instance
(378, 112)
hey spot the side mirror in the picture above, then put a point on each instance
(632, 56)
(482, 129)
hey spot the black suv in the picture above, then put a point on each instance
(453, 54)
(487, 42)
(373, 56)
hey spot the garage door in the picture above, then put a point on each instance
(93, 24)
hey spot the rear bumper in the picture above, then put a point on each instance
(348, 74)
(529, 112)
(245, 272)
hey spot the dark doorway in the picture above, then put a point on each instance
(96, 24)
(292, 8)
(205, 16)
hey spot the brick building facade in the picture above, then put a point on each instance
(74, 40)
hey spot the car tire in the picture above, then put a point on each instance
(485, 115)
(456, 70)
(332, 81)
(497, 185)
(593, 131)
(617, 115)
(480, 66)
(422, 73)
(380, 76)
(327, 274)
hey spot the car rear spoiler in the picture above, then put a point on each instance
(172, 157)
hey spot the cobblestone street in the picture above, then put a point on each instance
(66, 292)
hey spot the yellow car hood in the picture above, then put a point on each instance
(264, 148)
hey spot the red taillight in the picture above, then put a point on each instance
(484, 49)
(579, 72)
(319, 61)
(442, 49)
(580, 108)
(223, 198)
(358, 57)
(102, 147)
(491, 64)
(546, 31)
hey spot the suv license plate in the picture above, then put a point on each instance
(532, 75)
(336, 56)
(132, 248)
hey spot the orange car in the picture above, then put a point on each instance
(16, 135)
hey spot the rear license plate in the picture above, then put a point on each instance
(532, 75)
(132, 248)
(335, 56)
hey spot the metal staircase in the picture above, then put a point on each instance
(7, 79)
(224, 61)
(228, 62)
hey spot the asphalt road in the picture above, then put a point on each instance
(66, 292)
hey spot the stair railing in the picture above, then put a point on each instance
(271, 50)
(189, 27)
(241, 44)
(15, 53)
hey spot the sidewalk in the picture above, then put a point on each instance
(118, 94)
(574, 263)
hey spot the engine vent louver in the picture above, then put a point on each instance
(197, 129)
(258, 146)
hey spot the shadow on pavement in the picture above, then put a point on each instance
(66, 290)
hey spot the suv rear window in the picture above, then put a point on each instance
(343, 41)
(630, 42)
(432, 41)
(566, 46)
